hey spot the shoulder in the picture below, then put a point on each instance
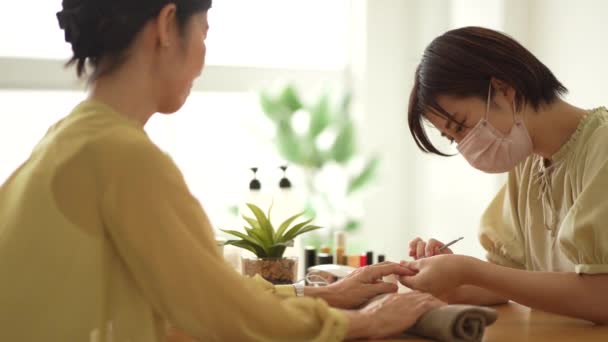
(591, 153)
(125, 149)
(112, 142)
(594, 136)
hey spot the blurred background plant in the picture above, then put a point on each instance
(319, 138)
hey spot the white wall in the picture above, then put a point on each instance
(382, 64)
(452, 194)
(571, 38)
(417, 194)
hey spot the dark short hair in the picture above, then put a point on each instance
(104, 29)
(462, 62)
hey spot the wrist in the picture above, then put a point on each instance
(470, 270)
(299, 288)
(323, 292)
(454, 296)
(360, 325)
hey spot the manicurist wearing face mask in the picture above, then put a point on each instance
(546, 231)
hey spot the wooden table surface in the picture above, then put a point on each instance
(517, 323)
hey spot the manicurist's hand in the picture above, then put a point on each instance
(438, 274)
(420, 248)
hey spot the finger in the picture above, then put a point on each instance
(438, 302)
(411, 281)
(420, 249)
(411, 299)
(446, 251)
(411, 293)
(412, 269)
(422, 306)
(415, 297)
(384, 263)
(382, 270)
(408, 281)
(412, 265)
(431, 302)
(432, 246)
(414, 243)
(439, 251)
(383, 287)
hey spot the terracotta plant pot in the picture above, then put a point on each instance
(278, 271)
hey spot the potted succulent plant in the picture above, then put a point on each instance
(268, 245)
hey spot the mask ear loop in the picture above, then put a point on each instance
(488, 103)
(515, 120)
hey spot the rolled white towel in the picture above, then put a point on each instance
(455, 323)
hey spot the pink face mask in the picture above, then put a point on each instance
(489, 150)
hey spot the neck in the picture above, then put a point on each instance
(547, 138)
(127, 92)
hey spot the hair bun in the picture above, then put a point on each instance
(102, 30)
(79, 25)
(68, 22)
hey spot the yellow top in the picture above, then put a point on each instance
(101, 240)
(555, 218)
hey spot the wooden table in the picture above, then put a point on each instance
(517, 323)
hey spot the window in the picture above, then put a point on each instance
(220, 132)
(215, 138)
(21, 38)
(310, 34)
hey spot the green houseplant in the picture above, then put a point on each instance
(268, 245)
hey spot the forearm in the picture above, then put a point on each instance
(581, 296)
(468, 294)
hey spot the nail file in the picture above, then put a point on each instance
(450, 243)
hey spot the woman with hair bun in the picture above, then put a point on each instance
(101, 239)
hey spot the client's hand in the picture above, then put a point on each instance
(391, 315)
(438, 274)
(364, 284)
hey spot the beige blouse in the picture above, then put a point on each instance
(555, 218)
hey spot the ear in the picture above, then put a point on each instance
(504, 90)
(166, 25)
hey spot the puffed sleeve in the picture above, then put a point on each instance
(500, 232)
(584, 232)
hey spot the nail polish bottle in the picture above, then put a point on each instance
(339, 246)
(310, 257)
(325, 259)
(370, 257)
